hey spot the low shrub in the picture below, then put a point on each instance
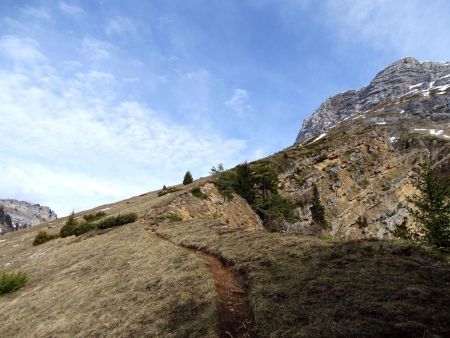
(94, 217)
(42, 237)
(198, 193)
(173, 218)
(12, 281)
(166, 191)
(111, 222)
(83, 228)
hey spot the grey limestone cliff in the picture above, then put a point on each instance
(416, 87)
(24, 214)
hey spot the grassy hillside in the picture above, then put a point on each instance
(123, 282)
(126, 281)
(310, 287)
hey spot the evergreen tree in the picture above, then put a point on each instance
(317, 209)
(430, 209)
(258, 185)
(217, 170)
(5, 218)
(188, 178)
(68, 229)
(243, 184)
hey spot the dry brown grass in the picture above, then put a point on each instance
(123, 283)
(308, 287)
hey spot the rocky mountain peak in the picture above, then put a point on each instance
(24, 214)
(425, 82)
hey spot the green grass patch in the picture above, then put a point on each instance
(12, 281)
(198, 193)
(42, 237)
(173, 218)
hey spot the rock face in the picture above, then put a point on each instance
(24, 214)
(232, 214)
(427, 83)
(361, 147)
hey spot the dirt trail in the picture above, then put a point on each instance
(235, 315)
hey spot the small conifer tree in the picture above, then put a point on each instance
(68, 228)
(217, 170)
(188, 178)
(317, 209)
(430, 209)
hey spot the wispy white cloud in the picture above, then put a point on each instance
(96, 50)
(71, 144)
(36, 12)
(239, 101)
(95, 75)
(21, 49)
(120, 26)
(406, 27)
(71, 10)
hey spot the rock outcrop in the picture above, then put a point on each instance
(360, 148)
(232, 214)
(24, 214)
(422, 85)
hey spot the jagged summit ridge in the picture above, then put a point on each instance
(406, 77)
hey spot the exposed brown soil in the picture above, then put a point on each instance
(235, 315)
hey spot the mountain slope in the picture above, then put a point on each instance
(360, 148)
(127, 281)
(349, 280)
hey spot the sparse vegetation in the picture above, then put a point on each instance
(431, 211)
(84, 227)
(258, 185)
(198, 193)
(94, 217)
(166, 191)
(187, 178)
(143, 286)
(122, 219)
(69, 228)
(173, 218)
(306, 287)
(72, 227)
(318, 210)
(217, 169)
(224, 184)
(12, 281)
(42, 237)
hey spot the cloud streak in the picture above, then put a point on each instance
(239, 102)
(21, 49)
(71, 10)
(406, 27)
(72, 144)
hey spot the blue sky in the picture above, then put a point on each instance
(102, 100)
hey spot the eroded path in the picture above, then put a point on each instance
(235, 315)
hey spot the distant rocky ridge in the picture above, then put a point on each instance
(425, 82)
(24, 214)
